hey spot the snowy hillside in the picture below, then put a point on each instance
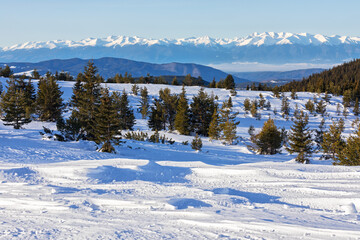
(67, 190)
(267, 47)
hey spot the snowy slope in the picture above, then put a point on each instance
(54, 190)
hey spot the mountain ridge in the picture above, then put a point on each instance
(108, 67)
(268, 47)
(257, 39)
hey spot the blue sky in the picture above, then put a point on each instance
(42, 20)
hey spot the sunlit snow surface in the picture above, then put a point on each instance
(54, 190)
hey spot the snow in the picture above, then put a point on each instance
(255, 39)
(67, 190)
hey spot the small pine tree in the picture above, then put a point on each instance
(321, 107)
(327, 97)
(350, 154)
(202, 109)
(49, 104)
(247, 105)
(293, 94)
(135, 89)
(156, 117)
(88, 99)
(196, 143)
(254, 109)
(356, 109)
(333, 143)
(299, 138)
(285, 106)
(347, 98)
(310, 106)
(229, 82)
(14, 106)
(227, 122)
(214, 128)
(175, 82)
(182, 118)
(169, 102)
(126, 116)
(212, 84)
(319, 134)
(276, 91)
(144, 102)
(269, 140)
(107, 123)
(6, 72)
(262, 101)
(35, 74)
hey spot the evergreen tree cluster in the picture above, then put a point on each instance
(97, 115)
(339, 80)
(202, 116)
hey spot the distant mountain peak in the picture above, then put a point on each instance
(255, 39)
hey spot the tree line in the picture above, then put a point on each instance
(98, 115)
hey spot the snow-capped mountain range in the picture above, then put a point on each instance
(260, 47)
(255, 39)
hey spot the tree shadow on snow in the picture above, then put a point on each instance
(151, 172)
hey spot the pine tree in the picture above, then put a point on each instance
(350, 154)
(182, 118)
(214, 128)
(49, 103)
(254, 109)
(321, 107)
(135, 89)
(144, 102)
(126, 116)
(327, 97)
(13, 105)
(202, 109)
(212, 84)
(77, 91)
(347, 98)
(106, 121)
(88, 100)
(169, 102)
(276, 91)
(227, 122)
(29, 94)
(285, 106)
(299, 138)
(310, 106)
(269, 139)
(196, 143)
(71, 129)
(35, 74)
(6, 72)
(319, 136)
(247, 105)
(229, 82)
(187, 80)
(175, 82)
(156, 120)
(293, 94)
(356, 109)
(333, 143)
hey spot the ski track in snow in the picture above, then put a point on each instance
(56, 190)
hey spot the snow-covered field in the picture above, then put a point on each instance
(67, 190)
